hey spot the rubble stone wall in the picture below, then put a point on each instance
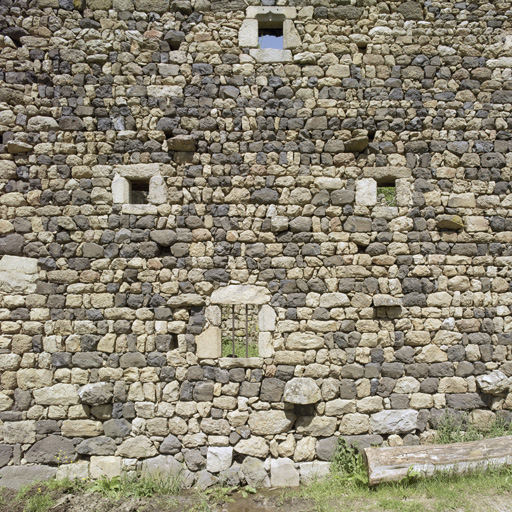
(377, 313)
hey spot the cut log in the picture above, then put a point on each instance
(388, 464)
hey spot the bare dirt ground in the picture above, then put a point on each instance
(472, 499)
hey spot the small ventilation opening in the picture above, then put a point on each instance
(139, 192)
(270, 32)
(271, 38)
(386, 193)
(240, 330)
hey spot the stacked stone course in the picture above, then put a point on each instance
(263, 172)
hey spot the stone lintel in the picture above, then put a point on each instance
(240, 294)
(254, 11)
(386, 173)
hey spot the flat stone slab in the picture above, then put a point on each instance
(15, 477)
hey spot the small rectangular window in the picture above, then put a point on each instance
(139, 191)
(386, 194)
(240, 330)
(271, 38)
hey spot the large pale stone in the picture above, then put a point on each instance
(267, 423)
(248, 34)
(108, 466)
(162, 465)
(59, 394)
(366, 188)
(255, 473)
(439, 299)
(18, 274)
(42, 124)
(165, 91)
(466, 200)
(453, 385)
(303, 341)
(269, 55)
(209, 343)
(494, 383)
(407, 385)
(353, 424)
(219, 458)
(290, 35)
(267, 318)
(313, 471)
(31, 378)
(138, 171)
(81, 428)
(75, 471)
(305, 449)
(339, 407)
(159, 6)
(240, 294)
(19, 432)
(9, 362)
(386, 301)
(394, 422)
(334, 300)
(283, 473)
(120, 190)
(6, 402)
(137, 447)
(318, 426)
(157, 190)
(302, 391)
(254, 446)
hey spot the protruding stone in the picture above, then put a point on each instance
(302, 391)
(494, 383)
(394, 422)
(450, 222)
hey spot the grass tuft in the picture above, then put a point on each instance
(457, 429)
(136, 485)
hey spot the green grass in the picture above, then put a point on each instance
(389, 194)
(136, 485)
(227, 348)
(441, 492)
(458, 429)
(346, 488)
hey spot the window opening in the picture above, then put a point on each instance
(386, 193)
(139, 192)
(240, 330)
(271, 38)
(270, 32)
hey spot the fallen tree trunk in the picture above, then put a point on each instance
(388, 464)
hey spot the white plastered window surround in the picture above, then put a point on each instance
(263, 16)
(125, 175)
(209, 342)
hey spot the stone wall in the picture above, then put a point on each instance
(263, 172)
